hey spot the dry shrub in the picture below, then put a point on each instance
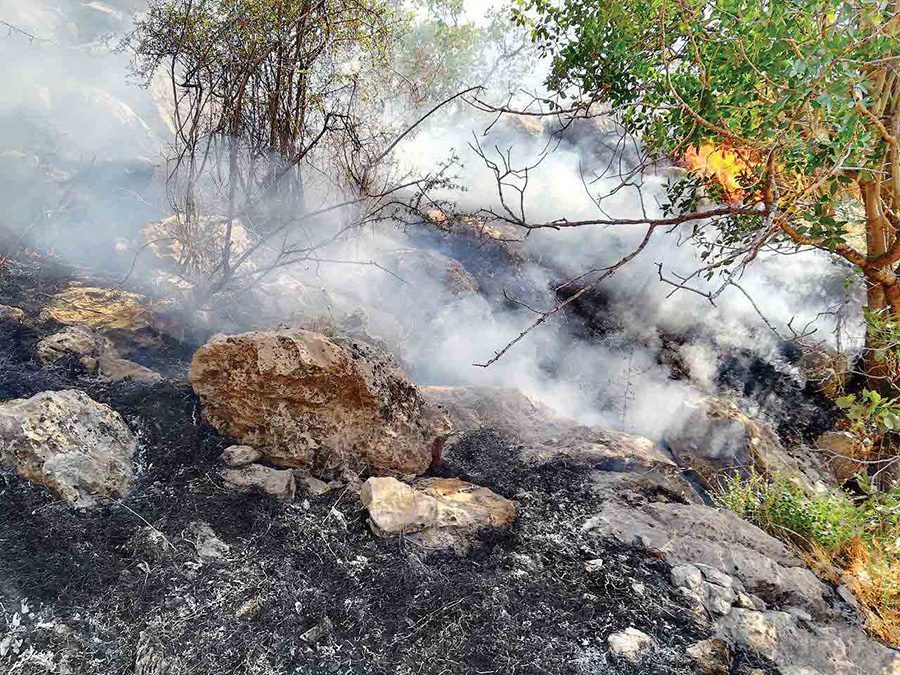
(873, 575)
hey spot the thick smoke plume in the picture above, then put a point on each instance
(79, 141)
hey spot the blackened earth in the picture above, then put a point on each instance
(100, 599)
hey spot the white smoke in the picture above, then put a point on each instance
(73, 93)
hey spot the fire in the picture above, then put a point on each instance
(721, 163)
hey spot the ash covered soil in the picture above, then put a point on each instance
(304, 587)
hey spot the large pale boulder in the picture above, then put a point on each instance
(307, 401)
(78, 448)
(434, 512)
(715, 439)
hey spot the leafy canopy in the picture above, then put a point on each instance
(804, 90)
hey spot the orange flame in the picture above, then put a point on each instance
(721, 163)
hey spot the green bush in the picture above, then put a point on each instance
(829, 521)
(853, 541)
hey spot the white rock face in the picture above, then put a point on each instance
(748, 587)
(434, 512)
(78, 448)
(631, 644)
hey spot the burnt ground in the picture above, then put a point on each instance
(102, 596)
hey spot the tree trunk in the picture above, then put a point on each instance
(880, 297)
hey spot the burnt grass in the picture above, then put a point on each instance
(119, 587)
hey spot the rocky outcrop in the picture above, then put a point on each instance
(95, 353)
(434, 512)
(78, 448)
(746, 586)
(543, 434)
(307, 401)
(712, 437)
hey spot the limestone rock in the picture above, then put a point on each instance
(690, 534)
(758, 594)
(631, 644)
(307, 401)
(117, 314)
(434, 512)
(67, 441)
(714, 438)
(206, 541)
(419, 267)
(314, 486)
(96, 354)
(277, 482)
(544, 434)
(13, 314)
(840, 449)
(712, 657)
(240, 455)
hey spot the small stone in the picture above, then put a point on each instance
(744, 601)
(847, 596)
(687, 576)
(719, 599)
(240, 455)
(639, 589)
(317, 632)
(716, 577)
(314, 486)
(712, 657)
(249, 609)
(631, 644)
(277, 482)
(205, 540)
(434, 512)
(14, 314)
(593, 566)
